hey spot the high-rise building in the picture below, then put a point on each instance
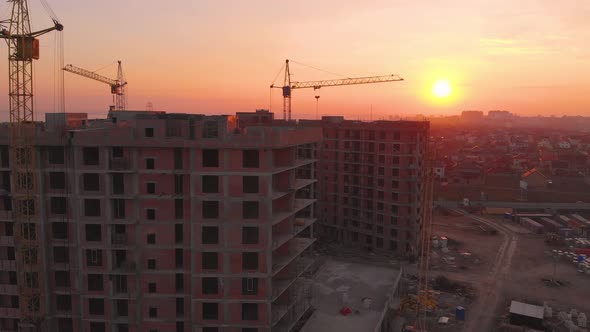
(371, 182)
(167, 222)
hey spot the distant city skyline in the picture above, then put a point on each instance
(220, 57)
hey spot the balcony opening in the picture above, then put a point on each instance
(94, 257)
(210, 158)
(250, 159)
(62, 278)
(178, 158)
(150, 214)
(249, 311)
(122, 308)
(210, 311)
(210, 184)
(118, 208)
(57, 180)
(209, 261)
(56, 155)
(59, 230)
(58, 205)
(210, 129)
(150, 163)
(249, 286)
(178, 234)
(117, 152)
(210, 286)
(63, 302)
(121, 284)
(178, 208)
(91, 181)
(179, 282)
(210, 235)
(249, 235)
(61, 255)
(120, 258)
(151, 238)
(95, 282)
(150, 188)
(178, 184)
(93, 232)
(210, 209)
(179, 258)
(96, 307)
(91, 156)
(179, 307)
(250, 184)
(250, 261)
(118, 184)
(92, 207)
(250, 209)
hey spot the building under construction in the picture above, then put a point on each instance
(165, 222)
(371, 182)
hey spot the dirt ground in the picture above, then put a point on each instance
(530, 264)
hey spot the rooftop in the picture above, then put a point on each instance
(362, 284)
(525, 309)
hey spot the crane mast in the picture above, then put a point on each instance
(289, 85)
(23, 48)
(117, 85)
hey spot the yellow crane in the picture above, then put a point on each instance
(288, 85)
(23, 48)
(117, 85)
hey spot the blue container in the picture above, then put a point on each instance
(460, 313)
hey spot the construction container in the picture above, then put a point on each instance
(460, 313)
(565, 232)
(550, 225)
(531, 225)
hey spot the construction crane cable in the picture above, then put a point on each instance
(104, 67)
(319, 69)
(49, 11)
(278, 74)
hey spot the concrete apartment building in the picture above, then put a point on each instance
(167, 222)
(370, 182)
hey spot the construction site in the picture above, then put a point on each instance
(152, 221)
(146, 220)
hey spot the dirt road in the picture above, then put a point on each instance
(479, 317)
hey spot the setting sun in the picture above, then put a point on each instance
(442, 89)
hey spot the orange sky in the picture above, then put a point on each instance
(220, 56)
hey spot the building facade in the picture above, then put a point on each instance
(371, 182)
(167, 222)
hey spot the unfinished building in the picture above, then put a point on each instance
(167, 222)
(371, 181)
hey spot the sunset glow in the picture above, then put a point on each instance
(221, 56)
(442, 89)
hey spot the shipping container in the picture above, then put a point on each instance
(531, 225)
(550, 225)
(566, 232)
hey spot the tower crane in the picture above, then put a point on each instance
(289, 85)
(23, 48)
(117, 85)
